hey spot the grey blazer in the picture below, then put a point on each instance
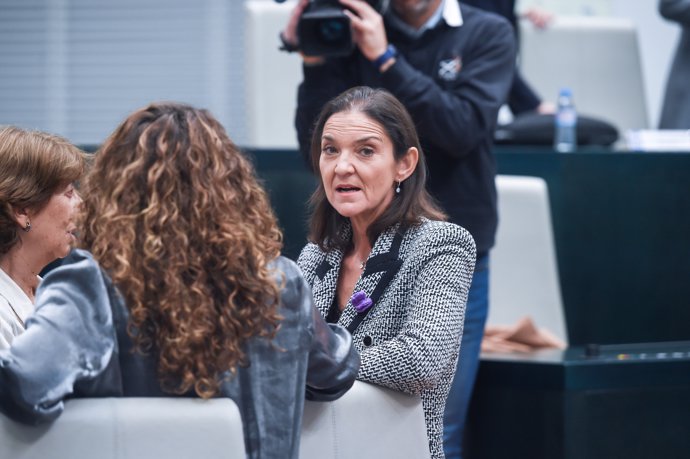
(675, 113)
(410, 338)
(76, 344)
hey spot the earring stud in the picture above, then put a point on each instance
(397, 189)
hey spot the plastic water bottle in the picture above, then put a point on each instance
(565, 138)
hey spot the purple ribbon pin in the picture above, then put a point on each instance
(361, 301)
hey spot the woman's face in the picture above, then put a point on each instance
(358, 167)
(53, 227)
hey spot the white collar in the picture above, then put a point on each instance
(451, 13)
(15, 296)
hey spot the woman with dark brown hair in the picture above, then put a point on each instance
(382, 262)
(38, 208)
(184, 291)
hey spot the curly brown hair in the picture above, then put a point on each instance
(174, 213)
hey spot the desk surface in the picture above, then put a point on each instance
(599, 355)
(613, 366)
(566, 405)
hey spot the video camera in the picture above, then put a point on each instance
(324, 29)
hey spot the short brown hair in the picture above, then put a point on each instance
(33, 166)
(410, 205)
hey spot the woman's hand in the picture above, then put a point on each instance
(368, 32)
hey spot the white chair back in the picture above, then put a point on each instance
(368, 422)
(130, 428)
(524, 272)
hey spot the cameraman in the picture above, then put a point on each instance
(451, 65)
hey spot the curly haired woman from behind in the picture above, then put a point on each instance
(185, 270)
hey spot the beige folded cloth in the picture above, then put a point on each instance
(523, 337)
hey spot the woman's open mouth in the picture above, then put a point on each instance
(346, 189)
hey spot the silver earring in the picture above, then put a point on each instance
(397, 189)
(27, 228)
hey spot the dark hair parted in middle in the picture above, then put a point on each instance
(410, 205)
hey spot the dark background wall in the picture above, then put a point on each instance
(621, 225)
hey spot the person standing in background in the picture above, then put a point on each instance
(451, 66)
(675, 113)
(522, 98)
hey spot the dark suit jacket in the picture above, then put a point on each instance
(675, 113)
(410, 338)
(521, 98)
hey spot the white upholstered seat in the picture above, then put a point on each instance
(367, 422)
(524, 271)
(129, 428)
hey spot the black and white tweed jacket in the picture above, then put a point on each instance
(410, 338)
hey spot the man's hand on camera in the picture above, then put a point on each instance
(289, 35)
(368, 32)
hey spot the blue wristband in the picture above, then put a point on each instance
(390, 52)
